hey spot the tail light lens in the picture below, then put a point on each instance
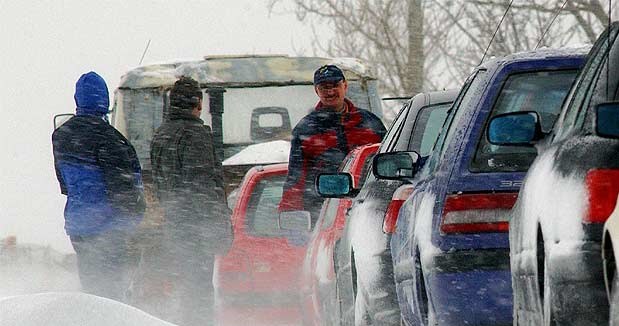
(477, 213)
(602, 188)
(398, 198)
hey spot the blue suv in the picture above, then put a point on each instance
(450, 250)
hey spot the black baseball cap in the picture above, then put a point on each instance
(328, 74)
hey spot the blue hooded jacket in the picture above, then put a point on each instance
(96, 166)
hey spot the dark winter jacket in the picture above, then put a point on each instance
(320, 142)
(99, 171)
(187, 179)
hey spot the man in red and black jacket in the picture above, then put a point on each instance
(323, 138)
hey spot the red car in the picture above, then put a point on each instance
(256, 282)
(318, 288)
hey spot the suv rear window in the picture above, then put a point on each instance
(261, 218)
(541, 91)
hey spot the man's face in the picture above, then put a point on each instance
(332, 94)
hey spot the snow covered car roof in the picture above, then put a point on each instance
(241, 70)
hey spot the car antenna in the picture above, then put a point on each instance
(496, 31)
(610, 13)
(551, 22)
(144, 53)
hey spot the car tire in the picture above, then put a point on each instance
(614, 300)
(422, 294)
(544, 284)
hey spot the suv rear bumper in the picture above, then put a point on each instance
(471, 287)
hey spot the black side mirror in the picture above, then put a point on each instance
(607, 120)
(335, 185)
(515, 129)
(269, 123)
(395, 165)
(60, 119)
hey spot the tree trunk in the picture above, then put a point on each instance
(414, 78)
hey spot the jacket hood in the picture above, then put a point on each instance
(91, 95)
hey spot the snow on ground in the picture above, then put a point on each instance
(71, 309)
(26, 269)
(262, 153)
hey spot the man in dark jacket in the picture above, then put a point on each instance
(99, 171)
(189, 184)
(323, 138)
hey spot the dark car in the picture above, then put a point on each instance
(569, 192)
(450, 249)
(363, 267)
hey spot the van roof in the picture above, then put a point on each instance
(241, 71)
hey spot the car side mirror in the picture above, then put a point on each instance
(295, 221)
(395, 165)
(607, 120)
(515, 129)
(335, 185)
(60, 119)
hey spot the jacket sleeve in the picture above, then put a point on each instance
(201, 175)
(377, 126)
(121, 173)
(203, 179)
(292, 197)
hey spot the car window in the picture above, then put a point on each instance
(451, 112)
(575, 110)
(428, 125)
(261, 218)
(395, 129)
(540, 91)
(472, 93)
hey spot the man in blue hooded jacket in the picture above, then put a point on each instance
(99, 172)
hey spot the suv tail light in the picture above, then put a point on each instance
(476, 213)
(398, 198)
(602, 188)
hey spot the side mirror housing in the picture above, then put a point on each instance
(607, 120)
(515, 129)
(60, 119)
(335, 185)
(295, 221)
(395, 165)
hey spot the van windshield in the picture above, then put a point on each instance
(268, 106)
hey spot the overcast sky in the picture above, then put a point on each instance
(48, 44)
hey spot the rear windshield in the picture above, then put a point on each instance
(543, 92)
(261, 218)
